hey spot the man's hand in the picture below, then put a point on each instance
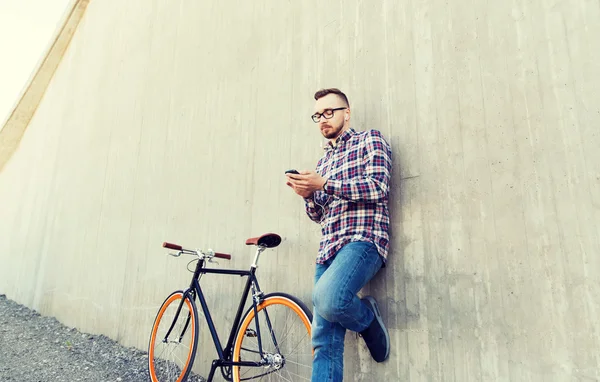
(306, 183)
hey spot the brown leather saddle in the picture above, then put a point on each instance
(268, 240)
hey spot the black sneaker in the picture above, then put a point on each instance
(376, 335)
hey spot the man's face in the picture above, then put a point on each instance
(331, 128)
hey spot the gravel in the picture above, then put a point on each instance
(41, 349)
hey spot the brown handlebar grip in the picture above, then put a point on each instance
(222, 255)
(172, 246)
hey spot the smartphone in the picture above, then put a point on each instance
(292, 172)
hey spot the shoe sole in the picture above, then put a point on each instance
(375, 309)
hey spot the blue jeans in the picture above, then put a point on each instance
(337, 307)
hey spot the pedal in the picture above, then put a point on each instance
(251, 333)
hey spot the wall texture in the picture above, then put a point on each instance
(174, 120)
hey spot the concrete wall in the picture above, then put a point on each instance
(174, 120)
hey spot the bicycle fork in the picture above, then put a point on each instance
(187, 321)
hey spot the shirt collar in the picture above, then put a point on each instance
(341, 139)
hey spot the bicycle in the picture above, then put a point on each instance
(256, 347)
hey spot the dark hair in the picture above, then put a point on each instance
(323, 92)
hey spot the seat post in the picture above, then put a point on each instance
(258, 252)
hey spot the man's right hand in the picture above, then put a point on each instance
(298, 189)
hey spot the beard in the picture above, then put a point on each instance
(332, 132)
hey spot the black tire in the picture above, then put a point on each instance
(288, 343)
(176, 363)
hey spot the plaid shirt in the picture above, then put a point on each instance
(354, 206)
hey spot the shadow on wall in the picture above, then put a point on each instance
(388, 285)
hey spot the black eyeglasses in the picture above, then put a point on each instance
(327, 113)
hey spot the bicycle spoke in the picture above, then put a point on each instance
(299, 343)
(300, 364)
(282, 377)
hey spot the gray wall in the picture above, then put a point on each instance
(174, 120)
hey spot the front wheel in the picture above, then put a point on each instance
(284, 330)
(173, 340)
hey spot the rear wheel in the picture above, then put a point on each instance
(284, 328)
(170, 357)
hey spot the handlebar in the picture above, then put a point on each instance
(223, 256)
(179, 248)
(172, 246)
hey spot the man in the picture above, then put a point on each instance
(348, 196)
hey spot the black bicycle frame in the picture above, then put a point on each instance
(195, 290)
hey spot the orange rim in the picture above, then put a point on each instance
(269, 301)
(164, 307)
